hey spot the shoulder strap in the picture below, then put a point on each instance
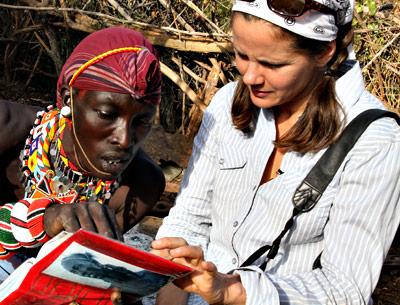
(314, 184)
(335, 155)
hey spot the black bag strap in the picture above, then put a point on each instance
(314, 184)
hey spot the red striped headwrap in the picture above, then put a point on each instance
(115, 59)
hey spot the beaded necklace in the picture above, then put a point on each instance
(47, 172)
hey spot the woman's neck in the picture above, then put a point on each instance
(69, 150)
(285, 119)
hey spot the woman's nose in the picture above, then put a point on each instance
(123, 135)
(252, 75)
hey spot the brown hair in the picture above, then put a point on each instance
(320, 123)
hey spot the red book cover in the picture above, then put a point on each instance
(85, 267)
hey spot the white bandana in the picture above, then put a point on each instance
(312, 24)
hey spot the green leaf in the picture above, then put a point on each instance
(359, 8)
(372, 7)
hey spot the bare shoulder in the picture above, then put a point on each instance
(16, 120)
(142, 184)
(145, 178)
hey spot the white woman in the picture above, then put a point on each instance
(260, 136)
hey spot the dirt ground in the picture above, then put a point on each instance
(388, 289)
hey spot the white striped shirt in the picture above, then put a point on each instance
(222, 207)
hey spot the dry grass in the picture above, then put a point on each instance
(377, 45)
(26, 58)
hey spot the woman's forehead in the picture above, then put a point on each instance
(114, 99)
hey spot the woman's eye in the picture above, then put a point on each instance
(271, 65)
(241, 56)
(106, 115)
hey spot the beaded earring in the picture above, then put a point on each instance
(66, 111)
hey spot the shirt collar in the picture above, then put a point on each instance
(350, 85)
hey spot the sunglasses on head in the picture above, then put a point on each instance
(295, 8)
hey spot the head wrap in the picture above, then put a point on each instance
(125, 62)
(312, 24)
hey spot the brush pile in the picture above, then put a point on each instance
(192, 37)
(193, 41)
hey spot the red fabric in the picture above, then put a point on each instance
(134, 73)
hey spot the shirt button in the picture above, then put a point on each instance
(235, 224)
(234, 261)
(221, 161)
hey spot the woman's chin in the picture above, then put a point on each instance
(264, 103)
(267, 101)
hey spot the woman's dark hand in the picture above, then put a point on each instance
(119, 298)
(90, 216)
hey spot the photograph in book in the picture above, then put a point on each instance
(81, 265)
(86, 267)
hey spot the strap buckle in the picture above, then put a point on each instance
(305, 197)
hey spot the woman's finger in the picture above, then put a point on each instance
(116, 297)
(113, 222)
(197, 280)
(101, 220)
(209, 267)
(168, 243)
(68, 218)
(189, 252)
(162, 253)
(85, 220)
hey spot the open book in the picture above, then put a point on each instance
(86, 267)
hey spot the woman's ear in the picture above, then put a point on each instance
(66, 102)
(65, 96)
(324, 58)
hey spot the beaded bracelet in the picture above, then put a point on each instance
(26, 222)
(4, 253)
(35, 219)
(18, 224)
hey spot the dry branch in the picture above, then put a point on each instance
(187, 37)
(156, 35)
(202, 15)
(188, 71)
(389, 67)
(377, 55)
(209, 90)
(34, 68)
(177, 16)
(120, 9)
(137, 24)
(172, 75)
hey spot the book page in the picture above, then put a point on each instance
(53, 243)
(70, 262)
(15, 279)
(86, 266)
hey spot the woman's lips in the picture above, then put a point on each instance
(260, 93)
(115, 166)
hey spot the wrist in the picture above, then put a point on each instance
(234, 292)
